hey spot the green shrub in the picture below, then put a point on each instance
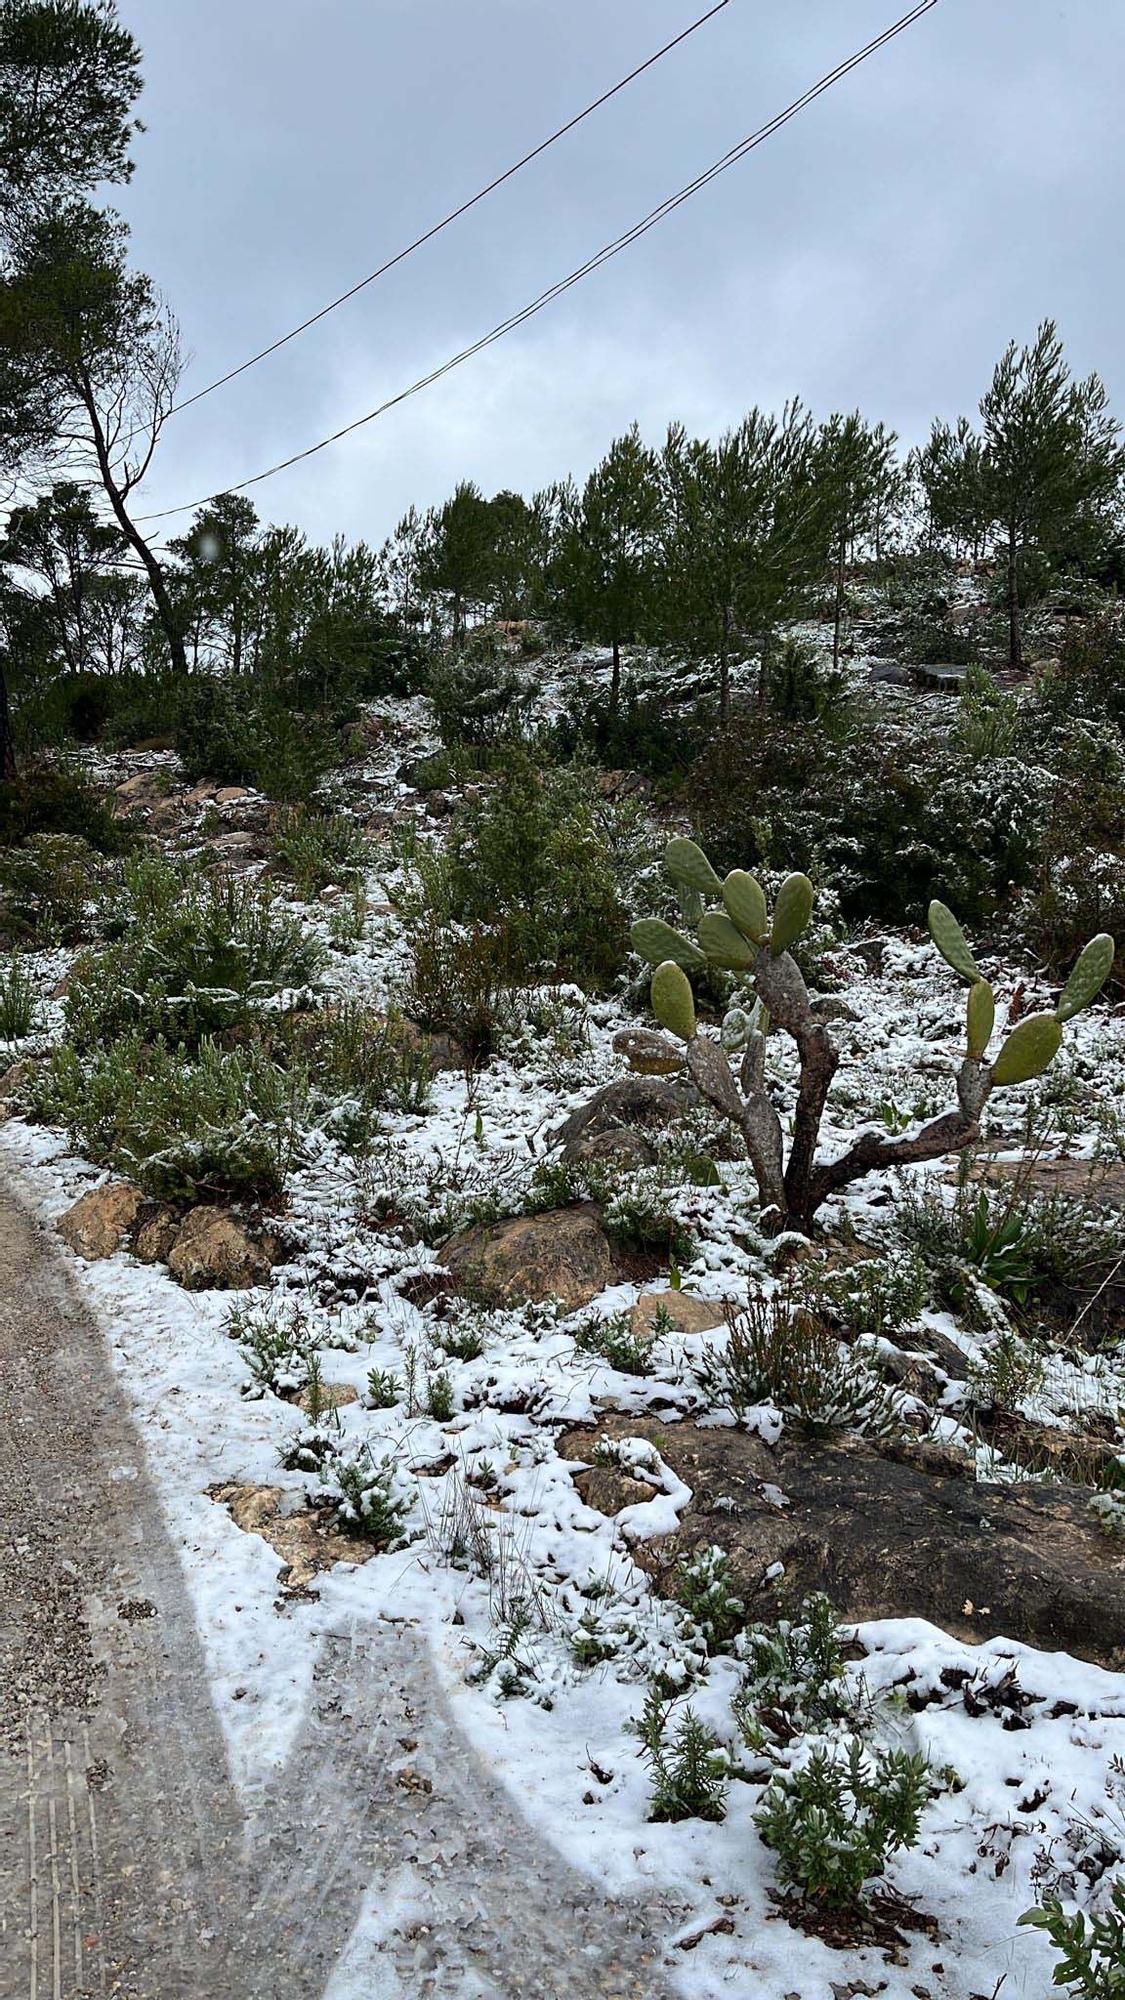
(314, 849)
(786, 1356)
(361, 1063)
(689, 1773)
(366, 1504)
(1092, 1949)
(17, 999)
(195, 957)
(233, 732)
(835, 1822)
(794, 1679)
(988, 720)
(650, 731)
(458, 982)
(703, 1584)
(224, 1124)
(532, 862)
(50, 801)
(480, 701)
(47, 885)
(883, 813)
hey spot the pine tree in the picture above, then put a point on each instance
(1052, 463)
(69, 77)
(857, 483)
(610, 559)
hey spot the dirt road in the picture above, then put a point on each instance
(128, 1866)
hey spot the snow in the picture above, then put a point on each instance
(491, 1478)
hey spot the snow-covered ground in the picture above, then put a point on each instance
(544, 1628)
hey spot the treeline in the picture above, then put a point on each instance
(708, 547)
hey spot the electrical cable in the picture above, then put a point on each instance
(602, 256)
(455, 214)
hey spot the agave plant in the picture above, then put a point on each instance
(738, 933)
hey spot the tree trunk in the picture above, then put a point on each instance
(7, 747)
(765, 668)
(615, 680)
(1015, 623)
(724, 671)
(839, 608)
(165, 609)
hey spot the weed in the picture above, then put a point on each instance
(315, 849)
(17, 999)
(383, 1389)
(702, 1584)
(835, 1822)
(689, 1772)
(785, 1355)
(1091, 1949)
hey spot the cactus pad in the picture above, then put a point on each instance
(1028, 1049)
(951, 941)
(657, 941)
(672, 1001)
(982, 1017)
(689, 867)
(745, 899)
(724, 944)
(1090, 973)
(791, 912)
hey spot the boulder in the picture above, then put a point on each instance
(636, 1104)
(609, 1490)
(100, 1221)
(213, 1251)
(563, 1254)
(687, 1313)
(156, 1235)
(647, 1053)
(906, 1532)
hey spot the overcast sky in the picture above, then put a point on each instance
(880, 251)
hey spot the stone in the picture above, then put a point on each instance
(307, 1542)
(903, 1532)
(156, 1235)
(647, 1053)
(830, 1007)
(331, 1396)
(647, 1103)
(625, 1148)
(229, 795)
(213, 1251)
(687, 1313)
(100, 1221)
(563, 1254)
(609, 1490)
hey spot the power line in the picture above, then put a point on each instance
(602, 256)
(455, 214)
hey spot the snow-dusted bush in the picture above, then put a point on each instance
(836, 1820)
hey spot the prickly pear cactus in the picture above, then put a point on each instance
(1094, 965)
(981, 1013)
(657, 941)
(724, 943)
(951, 941)
(745, 901)
(1028, 1049)
(672, 1001)
(791, 913)
(689, 867)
